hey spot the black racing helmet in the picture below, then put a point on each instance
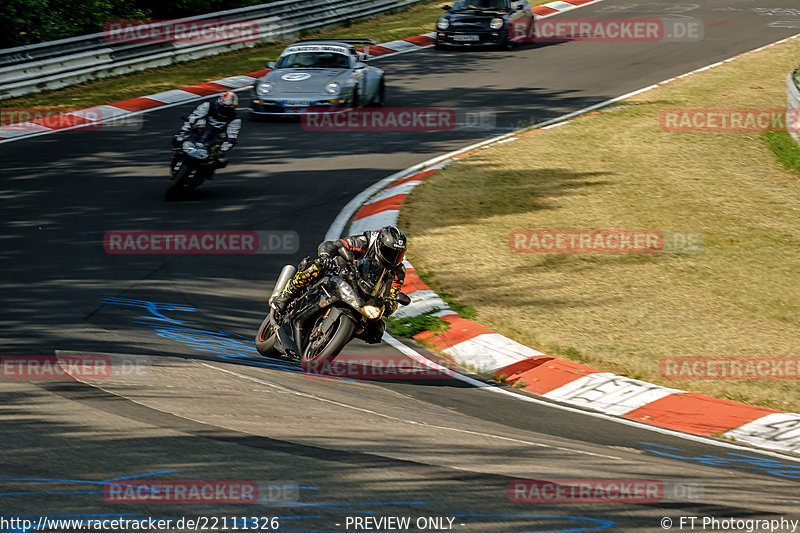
(390, 246)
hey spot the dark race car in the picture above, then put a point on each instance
(480, 23)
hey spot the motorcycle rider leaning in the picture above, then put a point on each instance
(221, 116)
(387, 246)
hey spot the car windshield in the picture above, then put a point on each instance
(313, 60)
(481, 4)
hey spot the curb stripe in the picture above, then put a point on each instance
(419, 176)
(137, 104)
(549, 375)
(378, 50)
(460, 330)
(609, 393)
(207, 88)
(376, 221)
(387, 204)
(413, 283)
(697, 413)
(257, 74)
(420, 40)
(544, 10)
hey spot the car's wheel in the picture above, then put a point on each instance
(439, 46)
(354, 98)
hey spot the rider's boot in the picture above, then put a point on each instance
(289, 293)
(296, 286)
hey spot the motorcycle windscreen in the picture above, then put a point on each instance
(373, 276)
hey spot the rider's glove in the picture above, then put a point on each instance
(224, 147)
(328, 262)
(391, 305)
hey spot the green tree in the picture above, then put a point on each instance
(33, 21)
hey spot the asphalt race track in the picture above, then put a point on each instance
(208, 407)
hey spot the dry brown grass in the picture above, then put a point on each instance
(624, 312)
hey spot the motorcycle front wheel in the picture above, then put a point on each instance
(328, 347)
(174, 192)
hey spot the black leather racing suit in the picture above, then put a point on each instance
(309, 270)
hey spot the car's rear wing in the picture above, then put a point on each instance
(346, 41)
(365, 42)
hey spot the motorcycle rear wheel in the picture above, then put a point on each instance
(265, 338)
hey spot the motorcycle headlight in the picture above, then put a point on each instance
(443, 23)
(187, 145)
(496, 24)
(372, 312)
(349, 295)
(333, 88)
(264, 87)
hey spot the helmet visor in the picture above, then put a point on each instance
(390, 256)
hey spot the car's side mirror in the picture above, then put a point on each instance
(446, 7)
(520, 7)
(271, 65)
(363, 57)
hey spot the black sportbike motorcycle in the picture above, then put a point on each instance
(347, 302)
(194, 160)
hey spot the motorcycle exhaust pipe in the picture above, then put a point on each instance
(286, 274)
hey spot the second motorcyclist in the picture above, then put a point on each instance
(222, 116)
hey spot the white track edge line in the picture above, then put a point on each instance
(347, 212)
(390, 417)
(531, 399)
